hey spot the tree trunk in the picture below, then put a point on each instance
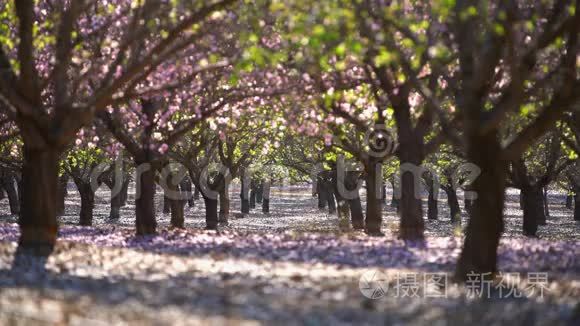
(569, 201)
(177, 206)
(265, 205)
(343, 212)
(546, 207)
(468, 203)
(125, 191)
(245, 195)
(374, 214)
(432, 202)
(211, 213)
(175, 196)
(196, 193)
(532, 201)
(38, 222)
(260, 192)
(265, 191)
(328, 191)
(384, 194)
(454, 209)
(577, 207)
(116, 197)
(116, 202)
(411, 211)
(19, 182)
(145, 203)
(224, 214)
(87, 202)
(252, 198)
(314, 185)
(187, 189)
(166, 204)
(342, 203)
(9, 184)
(322, 200)
(177, 213)
(479, 253)
(394, 199)
(356, 214)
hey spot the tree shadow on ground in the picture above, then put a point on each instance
(249, 297)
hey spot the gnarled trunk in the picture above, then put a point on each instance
(38, 222)
(479, 254)
(533, 206)
(374, 213)
(145, 202)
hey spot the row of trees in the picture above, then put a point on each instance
(474, 66)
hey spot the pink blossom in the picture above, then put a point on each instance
(163, 148)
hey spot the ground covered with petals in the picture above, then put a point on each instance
(292, 266)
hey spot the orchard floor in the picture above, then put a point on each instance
(293, 266)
